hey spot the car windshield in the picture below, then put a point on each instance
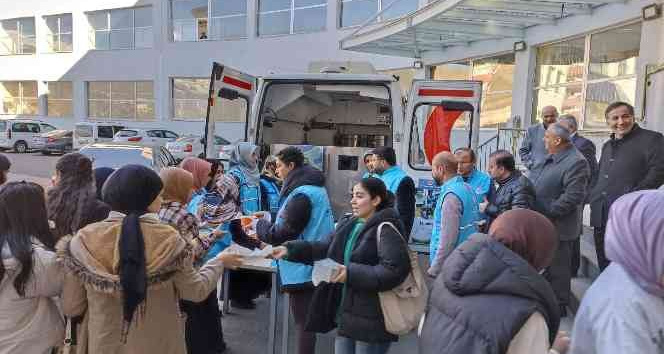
(84, 131)
(3, 126)
(117, 157)
(220, 141)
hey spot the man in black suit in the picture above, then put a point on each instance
(632, 160)
(588, 150)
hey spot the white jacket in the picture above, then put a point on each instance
(31, 324)
(618, 317)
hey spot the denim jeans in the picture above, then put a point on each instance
(343, 345)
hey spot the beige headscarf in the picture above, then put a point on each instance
(178, 185)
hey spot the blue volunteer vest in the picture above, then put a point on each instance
(272, 193)
(392, 178)
(481, 183)
(469, 215)
(321, 224)
(250, 196)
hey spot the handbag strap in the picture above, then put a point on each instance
(380, 230)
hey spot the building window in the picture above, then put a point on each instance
(60, 33)
(356, 12)
(19, 97)
(126, 100)
(121, 28)
(17, 36)
(190, 102)
(497, 76)
(199, 20)
(276, 17)
(59, 99)
(582, 76)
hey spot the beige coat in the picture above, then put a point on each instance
(92, 286)
(32, 323)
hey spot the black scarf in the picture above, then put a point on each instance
(130, 190)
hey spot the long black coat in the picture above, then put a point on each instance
(632, 163)
(372, 269)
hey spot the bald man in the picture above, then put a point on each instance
(532, 151)
(456, 214)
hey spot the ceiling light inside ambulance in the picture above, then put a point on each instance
(363, 90)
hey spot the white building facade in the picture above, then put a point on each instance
(147, 63)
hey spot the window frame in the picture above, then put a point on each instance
(292, 10)
(585, 78)
(21, 99)
(134, 101)
(379, 19)
(20, 37)
(60, 33)
(109, 29)
(69, 100)
(209, 19)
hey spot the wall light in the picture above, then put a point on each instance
(418, 64)
(520, 46)
(651, 12)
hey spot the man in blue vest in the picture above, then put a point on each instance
(456, 214)
(305, 214)
(480, 181)
(384, 164)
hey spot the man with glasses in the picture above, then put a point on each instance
(532, 151)
(632, 160)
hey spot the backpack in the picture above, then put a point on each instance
(404, 306)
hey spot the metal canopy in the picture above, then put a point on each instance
(446, 23)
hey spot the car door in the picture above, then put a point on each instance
(439, 116)
(227, 84)
(154, 136)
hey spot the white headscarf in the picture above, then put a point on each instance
(241, 158)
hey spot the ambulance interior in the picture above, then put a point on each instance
(337, 124)
(342, 115)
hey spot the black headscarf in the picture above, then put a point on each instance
(130, 190)
(101, 175)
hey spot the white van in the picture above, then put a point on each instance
(95, 132)
(335, 118)
(18, 134)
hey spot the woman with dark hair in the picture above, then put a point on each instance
(30, 276)
(72, 202)
(129, 271)
(368, 267)
(101, 175)
(490, 296)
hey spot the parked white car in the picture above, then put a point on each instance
(19, 134)
(95, 132)
(145, 136)
(191, 146)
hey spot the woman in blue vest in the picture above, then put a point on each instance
(270, 187)
(369, 266)
(244, 169)
(305, 214)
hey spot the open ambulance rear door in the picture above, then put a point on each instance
(439, 116)
(227, 86)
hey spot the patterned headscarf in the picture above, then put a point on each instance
(635, 238)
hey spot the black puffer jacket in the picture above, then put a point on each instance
(481, 300)
(372, 269)
(515, 192)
